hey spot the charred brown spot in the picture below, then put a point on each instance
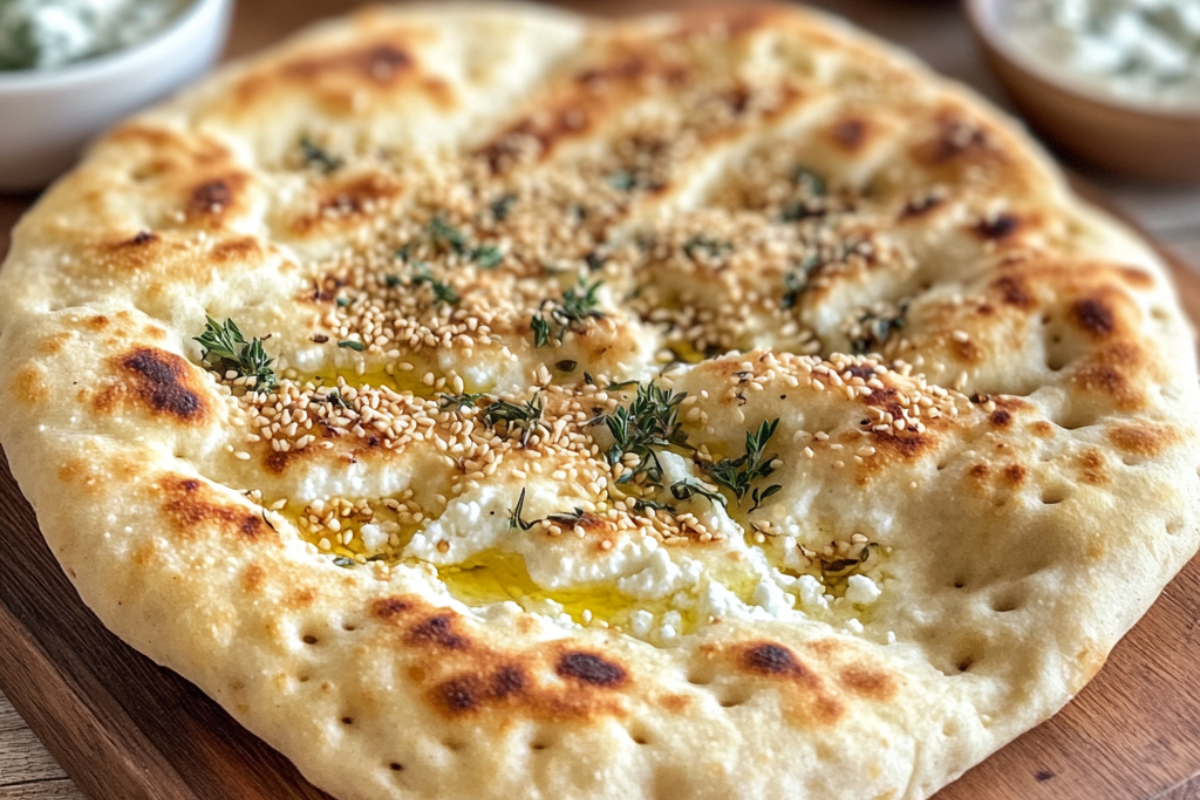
(158, 379)
(380, 63)
(1142, 440)
(438, 630)
(979, 471)
(864, 371)
(389, 608)
(510, 680)
(458, 695)
(142, 238)
(771, 659)
(212, 197)
(1014, 474)
(1013, 292)
(1001, 418)
(998, 227)
(955, 138)
(192, 506)
(591, 669)
(1091, 467)
(850, 133)
(873, 684)
(1094, 316)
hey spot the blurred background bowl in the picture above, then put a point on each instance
(47, 116)
(1128, 138)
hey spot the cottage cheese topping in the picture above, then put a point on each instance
(43, 34)
(1144, 50)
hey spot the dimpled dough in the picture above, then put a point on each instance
(428, 562)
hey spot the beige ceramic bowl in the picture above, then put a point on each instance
(47, 116)
(1128, 138)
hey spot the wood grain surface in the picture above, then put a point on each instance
(125, 729)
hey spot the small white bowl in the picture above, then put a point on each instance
(1123, 136)
(47, 116)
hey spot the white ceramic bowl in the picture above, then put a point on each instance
(1126, 137)
(47, 116)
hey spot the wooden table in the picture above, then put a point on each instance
(932, 28)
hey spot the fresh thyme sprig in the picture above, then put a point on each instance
(458, 401)
(649, 423)
(525, 417)
(737, 474)
(225, 348)
(690, 487)
(577, 306)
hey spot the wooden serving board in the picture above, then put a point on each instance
(125, 729)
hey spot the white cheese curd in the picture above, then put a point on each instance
(1142, 50)
(44, 34)
(861, 590)
(812, 593)
(373, 538)
(662, 576)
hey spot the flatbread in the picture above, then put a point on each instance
(703, 406)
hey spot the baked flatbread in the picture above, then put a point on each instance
(487, 402)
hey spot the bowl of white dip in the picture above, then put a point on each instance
(1115, 83)
(70, 68)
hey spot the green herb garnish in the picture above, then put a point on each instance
(318, 157)
(796, 281)
(514, 519)
(705, 244)
(442, 292)
(649, 423)
(458, 401)
(350, 344)
(523, 417)
(572, 312)
(876, 328)
(737, 474)
(689, 488)
(487, 256)
(226, 349)
(443, 234)
(335, 398)
(502, 205)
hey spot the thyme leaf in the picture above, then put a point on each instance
(577, 306)
(225, 348)
(458, 401)
(351, 344)
(515, 521)
(524, 417)
(689, 488)
(874, 329)
(649, 423)
(737, 474)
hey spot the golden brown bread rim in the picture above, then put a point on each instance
(430, 562)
